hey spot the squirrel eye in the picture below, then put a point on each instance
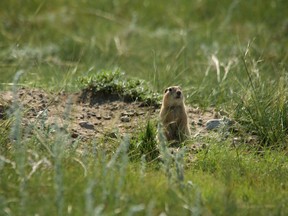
(168, 89)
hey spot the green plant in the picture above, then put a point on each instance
(262, 106)
(145, 145)
(115, 82)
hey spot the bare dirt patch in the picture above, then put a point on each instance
(90, 115)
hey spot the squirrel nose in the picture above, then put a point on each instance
(178, 93)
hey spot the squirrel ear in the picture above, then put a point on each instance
(166, 90)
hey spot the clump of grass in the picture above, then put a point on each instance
(145, 144)
(116, 83)
(263, 108)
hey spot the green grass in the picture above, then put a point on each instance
(231, 55)
(223, 180)
(115, 83)
(66, 39)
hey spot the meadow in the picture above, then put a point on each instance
(227, 55)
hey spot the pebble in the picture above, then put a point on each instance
(213, 124)
(114, 107)
(93, 114)
(106, 117)
(74, 135)
(125, 119)
(81, 116)
(200, 122)
(86, 125)
(128, 113)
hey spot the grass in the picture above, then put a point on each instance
(144, 146)
(223, 180)
(231, 56)
(262, 107)
(115, 83)
(46, 38)
(243, 185)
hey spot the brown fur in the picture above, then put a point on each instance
(173, 115)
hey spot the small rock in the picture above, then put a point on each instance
(74, 135)
(81, 116)
(86, 125)
(193, 123)
(131, 113)
(213, 124)
(106, 117)
(98, 123)
(200, 122)
(93, 114)
(114, 107)
(41, 95)
(140, 113)
(125, 119)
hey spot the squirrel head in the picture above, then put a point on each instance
(173, 96)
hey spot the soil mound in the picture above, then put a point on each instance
(87, 114)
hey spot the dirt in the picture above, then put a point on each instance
(87, 116)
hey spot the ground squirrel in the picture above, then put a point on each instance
(173, 115)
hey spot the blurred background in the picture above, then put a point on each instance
(200, 44)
